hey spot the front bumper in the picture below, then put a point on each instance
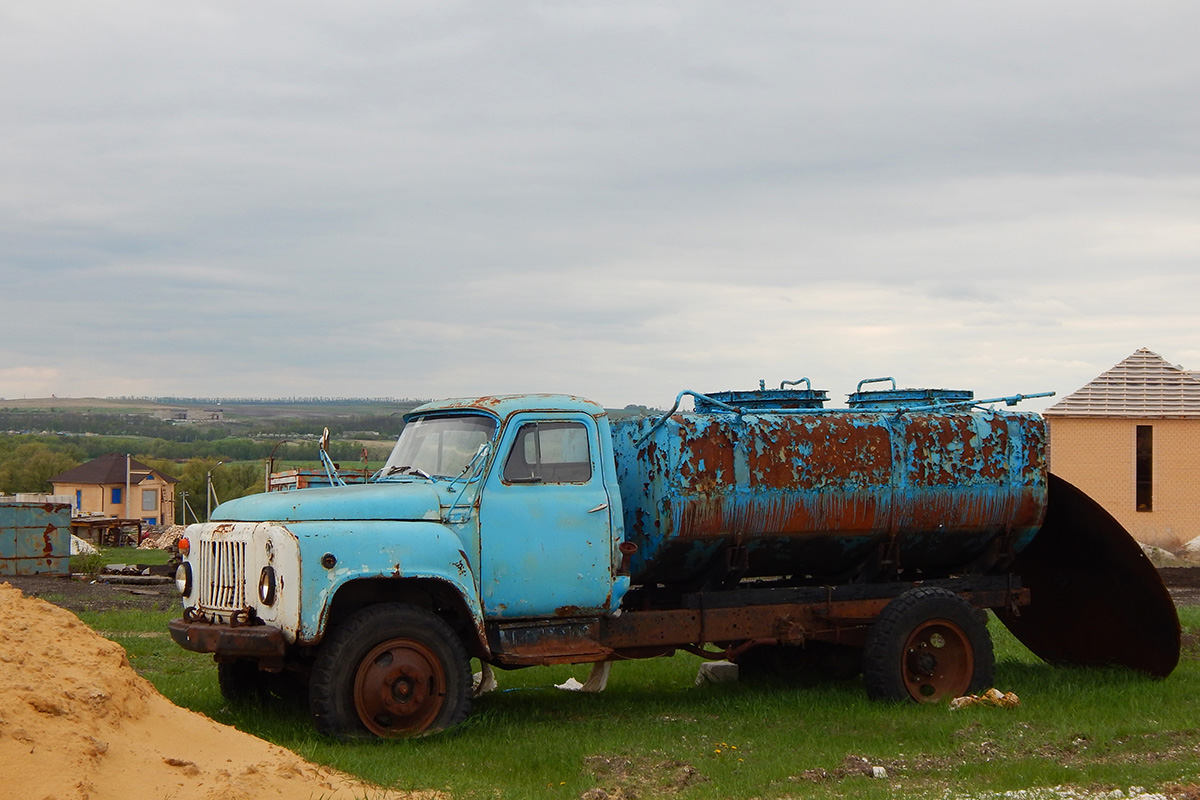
(250, 641)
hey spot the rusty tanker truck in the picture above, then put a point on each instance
(761, 527)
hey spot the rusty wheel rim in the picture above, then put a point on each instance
(399, 688)
(938, 662)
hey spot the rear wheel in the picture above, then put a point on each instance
(392, 671)
(928, 645)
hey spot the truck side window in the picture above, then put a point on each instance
(549, 452)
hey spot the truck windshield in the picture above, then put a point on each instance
(438, 446)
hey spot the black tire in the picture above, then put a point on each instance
(928, 645)
(390, 670)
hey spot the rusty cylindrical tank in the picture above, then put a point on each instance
(893, 486)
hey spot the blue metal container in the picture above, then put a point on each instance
(832, 495)
(35, 538)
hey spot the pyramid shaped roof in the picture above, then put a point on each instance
(109, 469)
(1143, 385)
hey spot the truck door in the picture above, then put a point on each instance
(545, 537)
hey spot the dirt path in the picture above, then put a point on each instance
(1183, 583)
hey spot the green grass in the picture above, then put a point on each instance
(91, 564)
(1097, 728)
(132, 555)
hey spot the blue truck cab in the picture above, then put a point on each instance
(271, 581)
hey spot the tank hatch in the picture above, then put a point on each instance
(764, 399)
(893, 399)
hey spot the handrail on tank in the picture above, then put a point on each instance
(1011, 400)
(762, 385)
(674, 408)
(875, 380)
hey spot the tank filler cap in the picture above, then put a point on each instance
(764, 399)
(894, 399)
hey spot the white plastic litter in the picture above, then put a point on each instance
(483, 682)
(596, 681)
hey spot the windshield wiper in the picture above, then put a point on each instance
(409, 470)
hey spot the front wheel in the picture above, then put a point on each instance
(393, 671)
(927, 645)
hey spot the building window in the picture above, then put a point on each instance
(116, 495)
(149, 499)
(1144, 466)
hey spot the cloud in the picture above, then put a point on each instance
(616, 199)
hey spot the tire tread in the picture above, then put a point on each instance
(331, 700)
(881, 655)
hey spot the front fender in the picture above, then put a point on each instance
(333, 553)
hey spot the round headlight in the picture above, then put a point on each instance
(266, 586)
(183, 578)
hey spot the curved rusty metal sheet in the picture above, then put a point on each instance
(1096, 598)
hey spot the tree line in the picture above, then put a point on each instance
(383, 426)
(28, 462)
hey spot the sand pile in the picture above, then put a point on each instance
(77, 723)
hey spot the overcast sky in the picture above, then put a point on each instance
(619, 200)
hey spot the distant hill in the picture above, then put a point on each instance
(230, 408)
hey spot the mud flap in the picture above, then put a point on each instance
(1095, 597)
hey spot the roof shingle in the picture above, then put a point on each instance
(1143, 385)
(109, 469)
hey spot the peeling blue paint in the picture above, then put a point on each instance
(821, 491)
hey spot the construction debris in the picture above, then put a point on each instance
(992, 697)
(82, 547)
(169, 537)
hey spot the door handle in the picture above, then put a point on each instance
(600, 507)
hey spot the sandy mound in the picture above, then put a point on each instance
(77, 723)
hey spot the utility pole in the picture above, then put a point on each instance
(127, 482)
(211, 492)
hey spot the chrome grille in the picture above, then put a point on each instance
(222, 575)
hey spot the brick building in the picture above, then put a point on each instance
(1131, 440)
(101, 486)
